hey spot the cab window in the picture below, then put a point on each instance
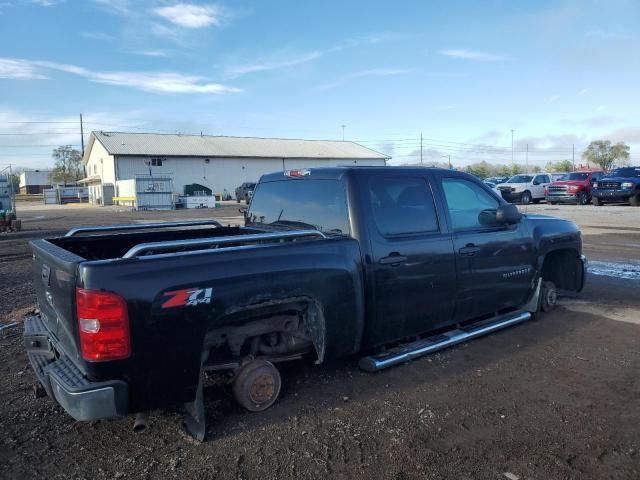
(470, 205)
(402, 205)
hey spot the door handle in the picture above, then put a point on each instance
(394, 259)
(469, 250)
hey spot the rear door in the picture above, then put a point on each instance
(494, 263)
(411, 271)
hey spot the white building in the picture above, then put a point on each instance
(218, 163)
(34, 181)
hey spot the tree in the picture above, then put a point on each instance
(561, 166)
(480, 170)
(605, 155)
(536, 169)
(68, 165)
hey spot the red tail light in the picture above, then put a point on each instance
(103, 324)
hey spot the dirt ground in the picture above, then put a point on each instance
(555, 398)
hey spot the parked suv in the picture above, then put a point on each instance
(573, 187)
(242, 192)
(525, 188)
(620, 185)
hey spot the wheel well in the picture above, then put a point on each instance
(563, 268)
(275, 327)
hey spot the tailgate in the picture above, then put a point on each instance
(54, 280)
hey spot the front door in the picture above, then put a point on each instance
(412, 271)
(494, 263)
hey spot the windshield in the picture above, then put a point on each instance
(574, 176)
(624, 172)
(319, 204)
(520, 179)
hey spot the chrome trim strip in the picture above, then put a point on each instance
(140, 226)
(256, 237)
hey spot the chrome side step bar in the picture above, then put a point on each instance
(419, 348)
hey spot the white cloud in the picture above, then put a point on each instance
(46, 3)
(97, 36)
(275, 64)
(583, 91)
(156, 82)
(120, 7)
(373, 72)
(161, 82)
(553, 98)
(150, 53)
(472, 55)
(19, 69)
(601, 108)
(190, 16)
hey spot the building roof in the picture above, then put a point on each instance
(119, 143)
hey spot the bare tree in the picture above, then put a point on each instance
(68, 165)
(605, 155)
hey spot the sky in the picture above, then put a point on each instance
(465, 75)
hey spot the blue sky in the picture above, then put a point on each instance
(464, 74)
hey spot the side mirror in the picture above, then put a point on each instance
(536, 183)
(508, 214)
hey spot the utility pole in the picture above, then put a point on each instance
(13, 193)
(421, 163)
(526, 158)
(450, 166)
(81, 135)
(573, 156)
(512, 130)
(343, 127)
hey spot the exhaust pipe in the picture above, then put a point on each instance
(141, 422)
(420, 348)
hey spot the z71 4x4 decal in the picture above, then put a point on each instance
(188, 297)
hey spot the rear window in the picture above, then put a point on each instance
(320, 204)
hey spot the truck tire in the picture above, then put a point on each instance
(635, 200)
(597, 202)
(257, 385)
(548, 296)
(582, 198)
(526, 197)
(552, 203)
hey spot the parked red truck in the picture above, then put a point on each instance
(574, 187)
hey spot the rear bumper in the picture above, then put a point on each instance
(80, 397)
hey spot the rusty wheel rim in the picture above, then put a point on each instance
(262, 388)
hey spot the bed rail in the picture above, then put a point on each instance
(211, 242)
(140, 226)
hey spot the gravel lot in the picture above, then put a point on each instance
(550, 399)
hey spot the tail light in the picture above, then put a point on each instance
(103, 324)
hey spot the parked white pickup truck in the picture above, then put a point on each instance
(525, 187)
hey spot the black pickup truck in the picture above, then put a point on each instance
(388, 263)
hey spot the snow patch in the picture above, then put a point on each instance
(627, 271)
